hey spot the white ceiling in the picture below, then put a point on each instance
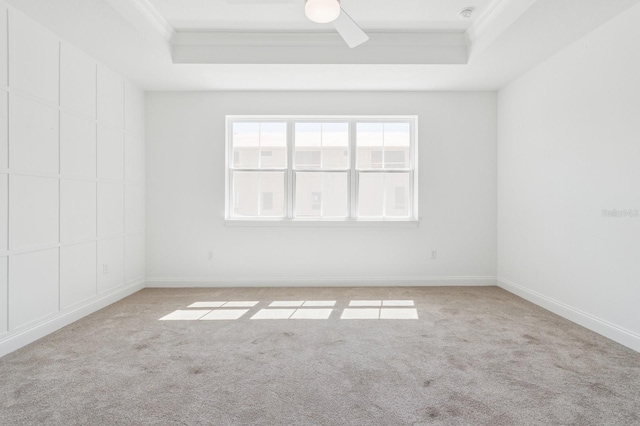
(509, 38)
(289, 14)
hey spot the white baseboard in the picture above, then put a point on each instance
(14, 341)
(593, 323)
(157, 282)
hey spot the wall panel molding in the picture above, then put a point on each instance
(57, 99)
(15, 341)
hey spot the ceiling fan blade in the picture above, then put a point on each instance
(349, 30)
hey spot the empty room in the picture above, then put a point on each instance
(319, 212)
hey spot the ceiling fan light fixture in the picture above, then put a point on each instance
(322, 11)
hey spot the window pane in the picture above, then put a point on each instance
(376, 158)
(335, 195)
(397, 144)
(308, 194)
(335, 146)
(246, 145)
(258, 194)
(267, 201)
(322, 194)
(397, 195)
(245, 194)
(370, 195)
(308, 145)
(272, 194)
(322, 145)
(259, 145)
(273, 145)
(383, 146)
(369, 140)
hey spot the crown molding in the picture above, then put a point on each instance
(493, 22)
(208, 47)
(146, 19)
(306, 38)
(490, 15)
(154, 17)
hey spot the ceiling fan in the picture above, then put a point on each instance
(324, 12)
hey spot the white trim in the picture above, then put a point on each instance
(40, 247)
(307, 39)
(15, 341)
(317, 48)
(146, 19)
(488, 17)
(499, 16)
(321, 118)
(417, 281)
(324, 223)
(155, 18)
(618, 334)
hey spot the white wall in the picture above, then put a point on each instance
(71, 183)
(185, 196)
(569, 147)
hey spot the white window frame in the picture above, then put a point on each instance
(352, 172)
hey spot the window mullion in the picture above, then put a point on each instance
(260, 168)
(321, 193)
(321, 171)
(383, 148)
(384, 193)
(410, 194)
(384, 176)
(228, 174)
(290, 172)
(414, 170)
(353, 181)
(259, 146)
(259, 194)
(231, 197)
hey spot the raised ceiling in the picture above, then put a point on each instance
(137, 37)
(287, 15)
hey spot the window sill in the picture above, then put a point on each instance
(409, 223)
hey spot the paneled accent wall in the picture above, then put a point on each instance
(71, 181)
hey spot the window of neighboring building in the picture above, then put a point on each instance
(322, 168)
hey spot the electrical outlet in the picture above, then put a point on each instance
(434, 254)
(105, 268)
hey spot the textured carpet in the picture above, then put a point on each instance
(475, 356)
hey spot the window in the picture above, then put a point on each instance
(333, 168)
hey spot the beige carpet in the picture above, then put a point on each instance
(475, 356)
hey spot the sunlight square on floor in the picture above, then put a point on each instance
(370, 303)
(312, 314)
(297, 310)
(206, 305)
(273, 314)
(225, 314)
(391, 313)
(286, 303)
(185, 315)
(365, 313)
(397, 303)
(318, 303)
(241, 304)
